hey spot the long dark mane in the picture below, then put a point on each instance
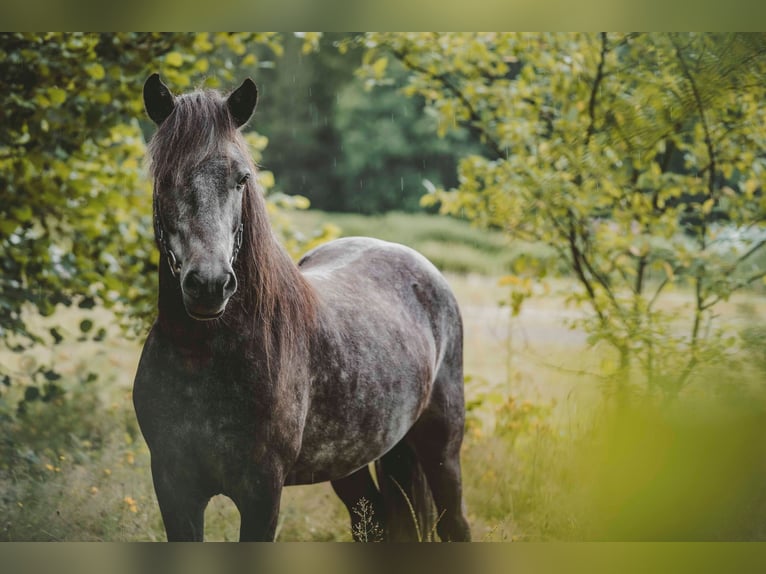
(272, 292)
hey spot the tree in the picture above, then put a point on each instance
(388, 148)
(632, 155)
(341, 146)
(297, 103)
(75, 204)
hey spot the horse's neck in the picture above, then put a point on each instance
(173, 320)
(243, 318)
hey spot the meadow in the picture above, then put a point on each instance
(546, 456)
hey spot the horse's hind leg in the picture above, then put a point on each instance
(363, 501)
(436, 439)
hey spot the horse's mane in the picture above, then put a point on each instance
(271, 290)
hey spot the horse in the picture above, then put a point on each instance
(260, 373)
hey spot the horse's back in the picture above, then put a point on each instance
(389, 265)
(371, 272)
(352, 251)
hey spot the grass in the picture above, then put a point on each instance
(453, 245)
(543, 458)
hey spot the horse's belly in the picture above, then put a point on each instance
(354, 430)
(331, 461)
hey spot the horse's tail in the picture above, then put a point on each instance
(408, 505)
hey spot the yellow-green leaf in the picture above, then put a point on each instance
(300, 202)
(379, 67)
(174, 59)
(668, 270)
(95, 71)
(57, 96)
(509, 280)
(202, 65)
(266, 179)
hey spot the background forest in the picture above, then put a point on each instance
(595, 200)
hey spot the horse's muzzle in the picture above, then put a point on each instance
(205, 294)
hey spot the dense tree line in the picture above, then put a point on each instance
(343, 146)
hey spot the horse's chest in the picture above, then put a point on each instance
(209, 415)
(195, 411)
(217, 436)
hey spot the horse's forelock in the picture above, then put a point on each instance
(199, 128)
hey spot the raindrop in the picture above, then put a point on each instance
(402, 183)
(309, 91)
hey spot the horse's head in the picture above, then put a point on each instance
(201, 169)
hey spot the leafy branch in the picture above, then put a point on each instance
(475, 122)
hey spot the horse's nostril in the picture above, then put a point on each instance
(211, 288)
(229, 285)
(193, 284)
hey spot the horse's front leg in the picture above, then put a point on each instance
(182, 503)
(258, 501)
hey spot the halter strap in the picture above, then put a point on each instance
(237, 244)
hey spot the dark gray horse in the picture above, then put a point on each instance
(259, 373)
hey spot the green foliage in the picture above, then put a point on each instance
(64, 152)
(76, 207)
(296, 103)
(75, 203)
(389, 151)
(343, 147)
(631, 155)
(692, 470)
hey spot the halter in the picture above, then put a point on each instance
(173, 263)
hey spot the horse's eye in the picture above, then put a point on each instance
(242, 181)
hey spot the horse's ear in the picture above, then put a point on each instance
(158, 100)
(242, 102)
